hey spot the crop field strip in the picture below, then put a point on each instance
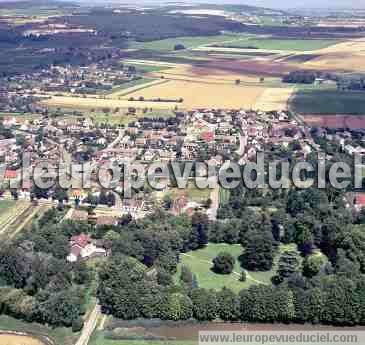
(10, 216)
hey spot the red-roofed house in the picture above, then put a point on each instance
(360, 200)
(207, 136)
(83, 248)
(10, 174)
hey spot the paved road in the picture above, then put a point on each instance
(116, 141)
(89, 326)
(214, 196)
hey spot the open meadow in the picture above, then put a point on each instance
(200, 263)
(268, 43)
(187, 42)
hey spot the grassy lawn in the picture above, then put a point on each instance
(281, 44)
(61, 336)
(188, 42)
(328, 102)
(200, 263)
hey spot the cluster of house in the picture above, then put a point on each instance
(258, 130)
(94, 78)
(47, 29)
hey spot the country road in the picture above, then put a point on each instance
(89, 326)
(214, 196)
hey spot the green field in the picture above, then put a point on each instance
(61, 336)
(280, 44)
(130, 84)
(189, 42)
(6, 205)
(145, 68)
(328, 102)
(200, 263)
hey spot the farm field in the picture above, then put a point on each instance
(328, 102)
(145, 68)
(131, 84)
(98, 104)
(189, 42)
(61, 336)
(335, 121)
(281, 44)
(99, 339)
(200, 95)
(344, 56)
(11, 212)
(5, 206)
(117, 93)
(11, 339)
(209, 74)
(274, 99)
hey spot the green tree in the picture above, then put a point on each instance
(228, 305)
(223, 263)
(259, 252)
(204, 304)
(176, 307)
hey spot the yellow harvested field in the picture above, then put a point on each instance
(204, 74)
(100, 103)
(338, 62)
(274, 99)
(347, 56)
(204, 95)
(11, 339)
(350, 46)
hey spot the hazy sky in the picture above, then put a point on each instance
(263, 3)
(295, 3)
(302, 3)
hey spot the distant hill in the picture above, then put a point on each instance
(9, 4)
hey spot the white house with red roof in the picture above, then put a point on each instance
(83, 248)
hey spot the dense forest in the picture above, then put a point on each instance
(148, 26)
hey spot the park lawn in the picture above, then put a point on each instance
(200, 263)
(61, 336)
(328, 102)
(189, 42)
(282, 44)
(99, 339)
